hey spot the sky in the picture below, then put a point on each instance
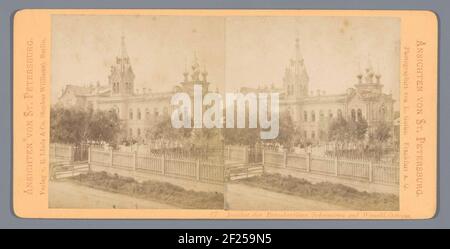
(160, 48)
(236, 51)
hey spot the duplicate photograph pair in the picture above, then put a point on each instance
(225, 114)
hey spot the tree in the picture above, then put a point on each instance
(68, 125)
(241, 136)
(76, 126)
(162, 129)
(287, 131)
(382, 133)
(357, 129)
(206, 138)
(339, 131)
(104, 126)
(345, 132)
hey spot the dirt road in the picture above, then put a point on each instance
(243, 197)
(66, 194)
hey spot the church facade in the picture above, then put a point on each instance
(137, 110)
(312, 112)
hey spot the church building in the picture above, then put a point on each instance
(310, 111)
(137, 110)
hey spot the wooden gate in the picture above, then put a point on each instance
(80, 153)
(67, 169)
(255, 154)
(242, 171)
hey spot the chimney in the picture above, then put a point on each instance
(378, 77)
(205, 76)
(359, 78)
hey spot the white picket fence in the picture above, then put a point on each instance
(236, 153)
(214, 172)
(198, 170)
(357, 170)
(60, 152)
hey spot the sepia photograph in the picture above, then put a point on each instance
(284, 113)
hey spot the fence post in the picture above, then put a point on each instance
(246, 159)
(336, 166)
(285, 157)
(197, 170)
(89, 157)
(263, 159)
(111, 157)
(54, 150)
(370, 171)
(308, 162)
(71, 153)
(163, 164)
(134, 161)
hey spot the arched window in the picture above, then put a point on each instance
(139, 114)
(382, 113)
(115, 87)
(305, 116)
(147, 113)
(115, 109)
(138, 131)
(131, 114)
(155, 112)
(330, 114)
(290, 89)
(360, 116)
(313, 134)
(313, 116)
(353, 113)
(322, 134)
(321, 115)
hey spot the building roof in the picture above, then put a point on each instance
(78, 90)
(83, 91)
(327, 98)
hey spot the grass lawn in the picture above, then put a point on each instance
(152, 190)
(336, 194)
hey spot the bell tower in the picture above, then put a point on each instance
(296, 79)
(121, 77)
(369, 82)
(197, 76)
